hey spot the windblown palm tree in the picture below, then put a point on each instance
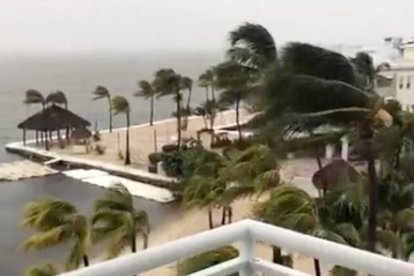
(35, 97)
(41, 270)
(187, 83)
(116, 219)
(57, 97)
(120, 105)
(293, 208)
(236, 82)
(315, 87)
(147, 91)
(56, 222)
(102, 92)
(365, 67)
(168, 82)
(253, 46)
(206, 80)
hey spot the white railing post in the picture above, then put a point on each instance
(246, 253)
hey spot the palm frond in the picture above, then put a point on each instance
(101, 92)
(120, 105)
(52, 237)
(41, 270)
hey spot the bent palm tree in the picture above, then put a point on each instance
(115, 218)
(147, 91)
(293, 208)
(41, 270)
(57, 97)
(187, 83)
(57, 222)
(35, 97)
(305, 93)
(236, 82)
(120, 105)
(102, 92)
(168, 82)
(205, 81)
(253, 46)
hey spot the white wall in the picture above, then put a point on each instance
(404, 86)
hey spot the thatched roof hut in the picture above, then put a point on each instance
(52, 118)
(81, 133)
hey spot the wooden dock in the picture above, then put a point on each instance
(17, 170)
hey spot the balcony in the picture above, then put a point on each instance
(245, 234)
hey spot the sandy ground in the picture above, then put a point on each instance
(143, 139)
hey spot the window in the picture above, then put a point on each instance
(408, 85)
(401, 82)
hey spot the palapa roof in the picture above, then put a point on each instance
(53, 118)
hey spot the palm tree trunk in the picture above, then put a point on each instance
(151, 122)
(189, 99)
(127, 151)
(230, 214)
(223, 216)
(277, 255)
(317, 267)
(373, 198)
(207, 97)
(146, 238)
(85, 260)
(366, 135)
(213, 96)
(110, 114)
(134, 243)
(178, 96)
(210, 218)
(238, 118)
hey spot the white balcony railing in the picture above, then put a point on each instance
(245, 233)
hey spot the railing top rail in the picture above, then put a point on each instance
(249, 230)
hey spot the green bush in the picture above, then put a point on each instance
(152, 168)
(154, 157)
(96, 136)
(172, 164)
(207, 259)
(169, 148)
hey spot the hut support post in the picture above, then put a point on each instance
(41, 136)
(37, 137)
(46, 141)
(59, 139)
(24, 136)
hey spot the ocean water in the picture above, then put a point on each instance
(77, 75)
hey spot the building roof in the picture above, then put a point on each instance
(53, 118)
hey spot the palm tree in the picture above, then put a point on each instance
(102, 92)
(35, 97)
(253, 46)
(41, 270)
(56, 222)
(293, 208)
(236, 82)
(115, 218)
(187, 83)
(168, 82)
(365, 67)
(147, 91)
(205, 80)
(57, 97)
(317, 87)
(120, 105)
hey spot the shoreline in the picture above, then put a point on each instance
(113, 166)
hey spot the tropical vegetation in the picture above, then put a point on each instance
(101, 92)
(120, 105)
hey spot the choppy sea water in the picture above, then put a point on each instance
(77, 76)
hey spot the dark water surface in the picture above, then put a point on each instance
(76, 76)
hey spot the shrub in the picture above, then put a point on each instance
(169, 148)
(152, 168)
(172, 164)
(99, 149)
(154, 157)
(96, 136)
(207, 259)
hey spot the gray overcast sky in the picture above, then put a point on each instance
(141, 25)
